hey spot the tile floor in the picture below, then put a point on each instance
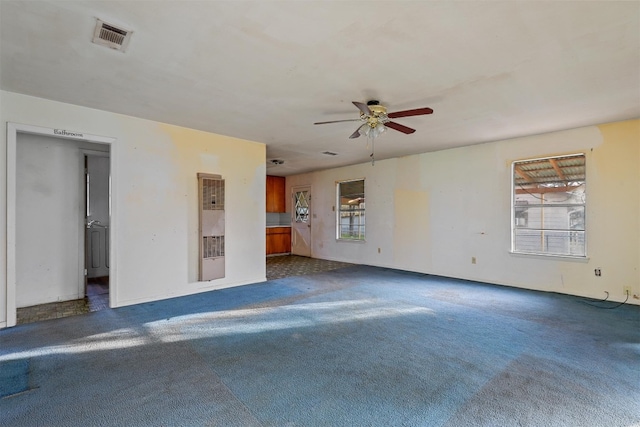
(97, 299)
(98, 291)
(293, 265)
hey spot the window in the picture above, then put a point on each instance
(548, 209)
(351, 218)
(301, 208)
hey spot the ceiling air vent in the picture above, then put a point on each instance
(111, 36)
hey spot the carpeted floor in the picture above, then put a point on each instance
(357, 346)
(98, 290)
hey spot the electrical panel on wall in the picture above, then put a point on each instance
(211, 195)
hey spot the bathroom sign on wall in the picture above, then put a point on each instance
(63, 132)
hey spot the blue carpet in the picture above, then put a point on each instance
(359, 346)
(14, 377)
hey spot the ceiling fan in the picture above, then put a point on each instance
(376, 119)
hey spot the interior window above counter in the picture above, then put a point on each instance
(275, 219)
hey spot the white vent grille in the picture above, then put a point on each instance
(111, 36)
(212, 246)
(212, 194)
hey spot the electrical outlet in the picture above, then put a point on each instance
(598, 272)
(626, 290)
(473, 260)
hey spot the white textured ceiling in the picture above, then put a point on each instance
(266, 70)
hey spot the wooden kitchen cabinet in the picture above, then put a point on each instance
(275, 193)
(278, 240)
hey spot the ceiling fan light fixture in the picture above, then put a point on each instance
(375, 119)
(373, 130)
(378, 130)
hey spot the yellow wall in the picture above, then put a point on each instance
(614, 185)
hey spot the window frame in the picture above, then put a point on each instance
(361, 210)
(583, 205)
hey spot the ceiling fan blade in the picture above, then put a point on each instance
(362, 107)
(337, 121)
(399, 127)
(356, 134)
(407, 113)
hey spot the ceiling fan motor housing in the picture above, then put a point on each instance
(378, 114)
(378, 110)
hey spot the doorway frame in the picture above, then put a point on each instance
(13, 129)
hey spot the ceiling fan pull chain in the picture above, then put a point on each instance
(373, 159)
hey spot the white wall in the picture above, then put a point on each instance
(154, 167)
(432, 212)
(48, 220)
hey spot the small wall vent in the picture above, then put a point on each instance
(111, 36)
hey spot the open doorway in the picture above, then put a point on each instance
(50, 206)
(97, 224)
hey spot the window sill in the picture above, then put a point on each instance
(351, 240)
(571, 258)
